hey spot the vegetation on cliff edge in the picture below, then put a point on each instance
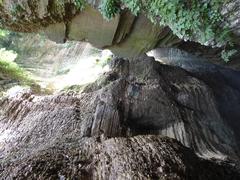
(188, 19)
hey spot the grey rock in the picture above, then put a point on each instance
(103, 132)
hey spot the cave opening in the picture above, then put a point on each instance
(119, 89)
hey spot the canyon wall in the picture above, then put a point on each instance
(42, 134)
(126, 35)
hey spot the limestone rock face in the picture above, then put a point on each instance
(104, 131)
(140, 157)
(90, 26)
(125, 35)
(62, 20)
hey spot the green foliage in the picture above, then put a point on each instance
(80, 4)
(13, 71)
(16, 9)
(3, 33)
(188, 19)
(226, 55)
(10, 70)
(7, 55)
(135, 6)
(109, 8)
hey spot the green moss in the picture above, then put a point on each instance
(10, 70)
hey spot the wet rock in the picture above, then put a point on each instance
(140, 157)
(111, 124)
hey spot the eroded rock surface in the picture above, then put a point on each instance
(62, 20)
(140, 157)
(104, 131)
(126, 35)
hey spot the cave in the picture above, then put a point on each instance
(119, 89)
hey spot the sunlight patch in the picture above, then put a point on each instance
(14, 91)
(86, 70)
(7, 55)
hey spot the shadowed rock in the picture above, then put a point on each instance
(62, 20)
(108, 124)
(140, 157)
